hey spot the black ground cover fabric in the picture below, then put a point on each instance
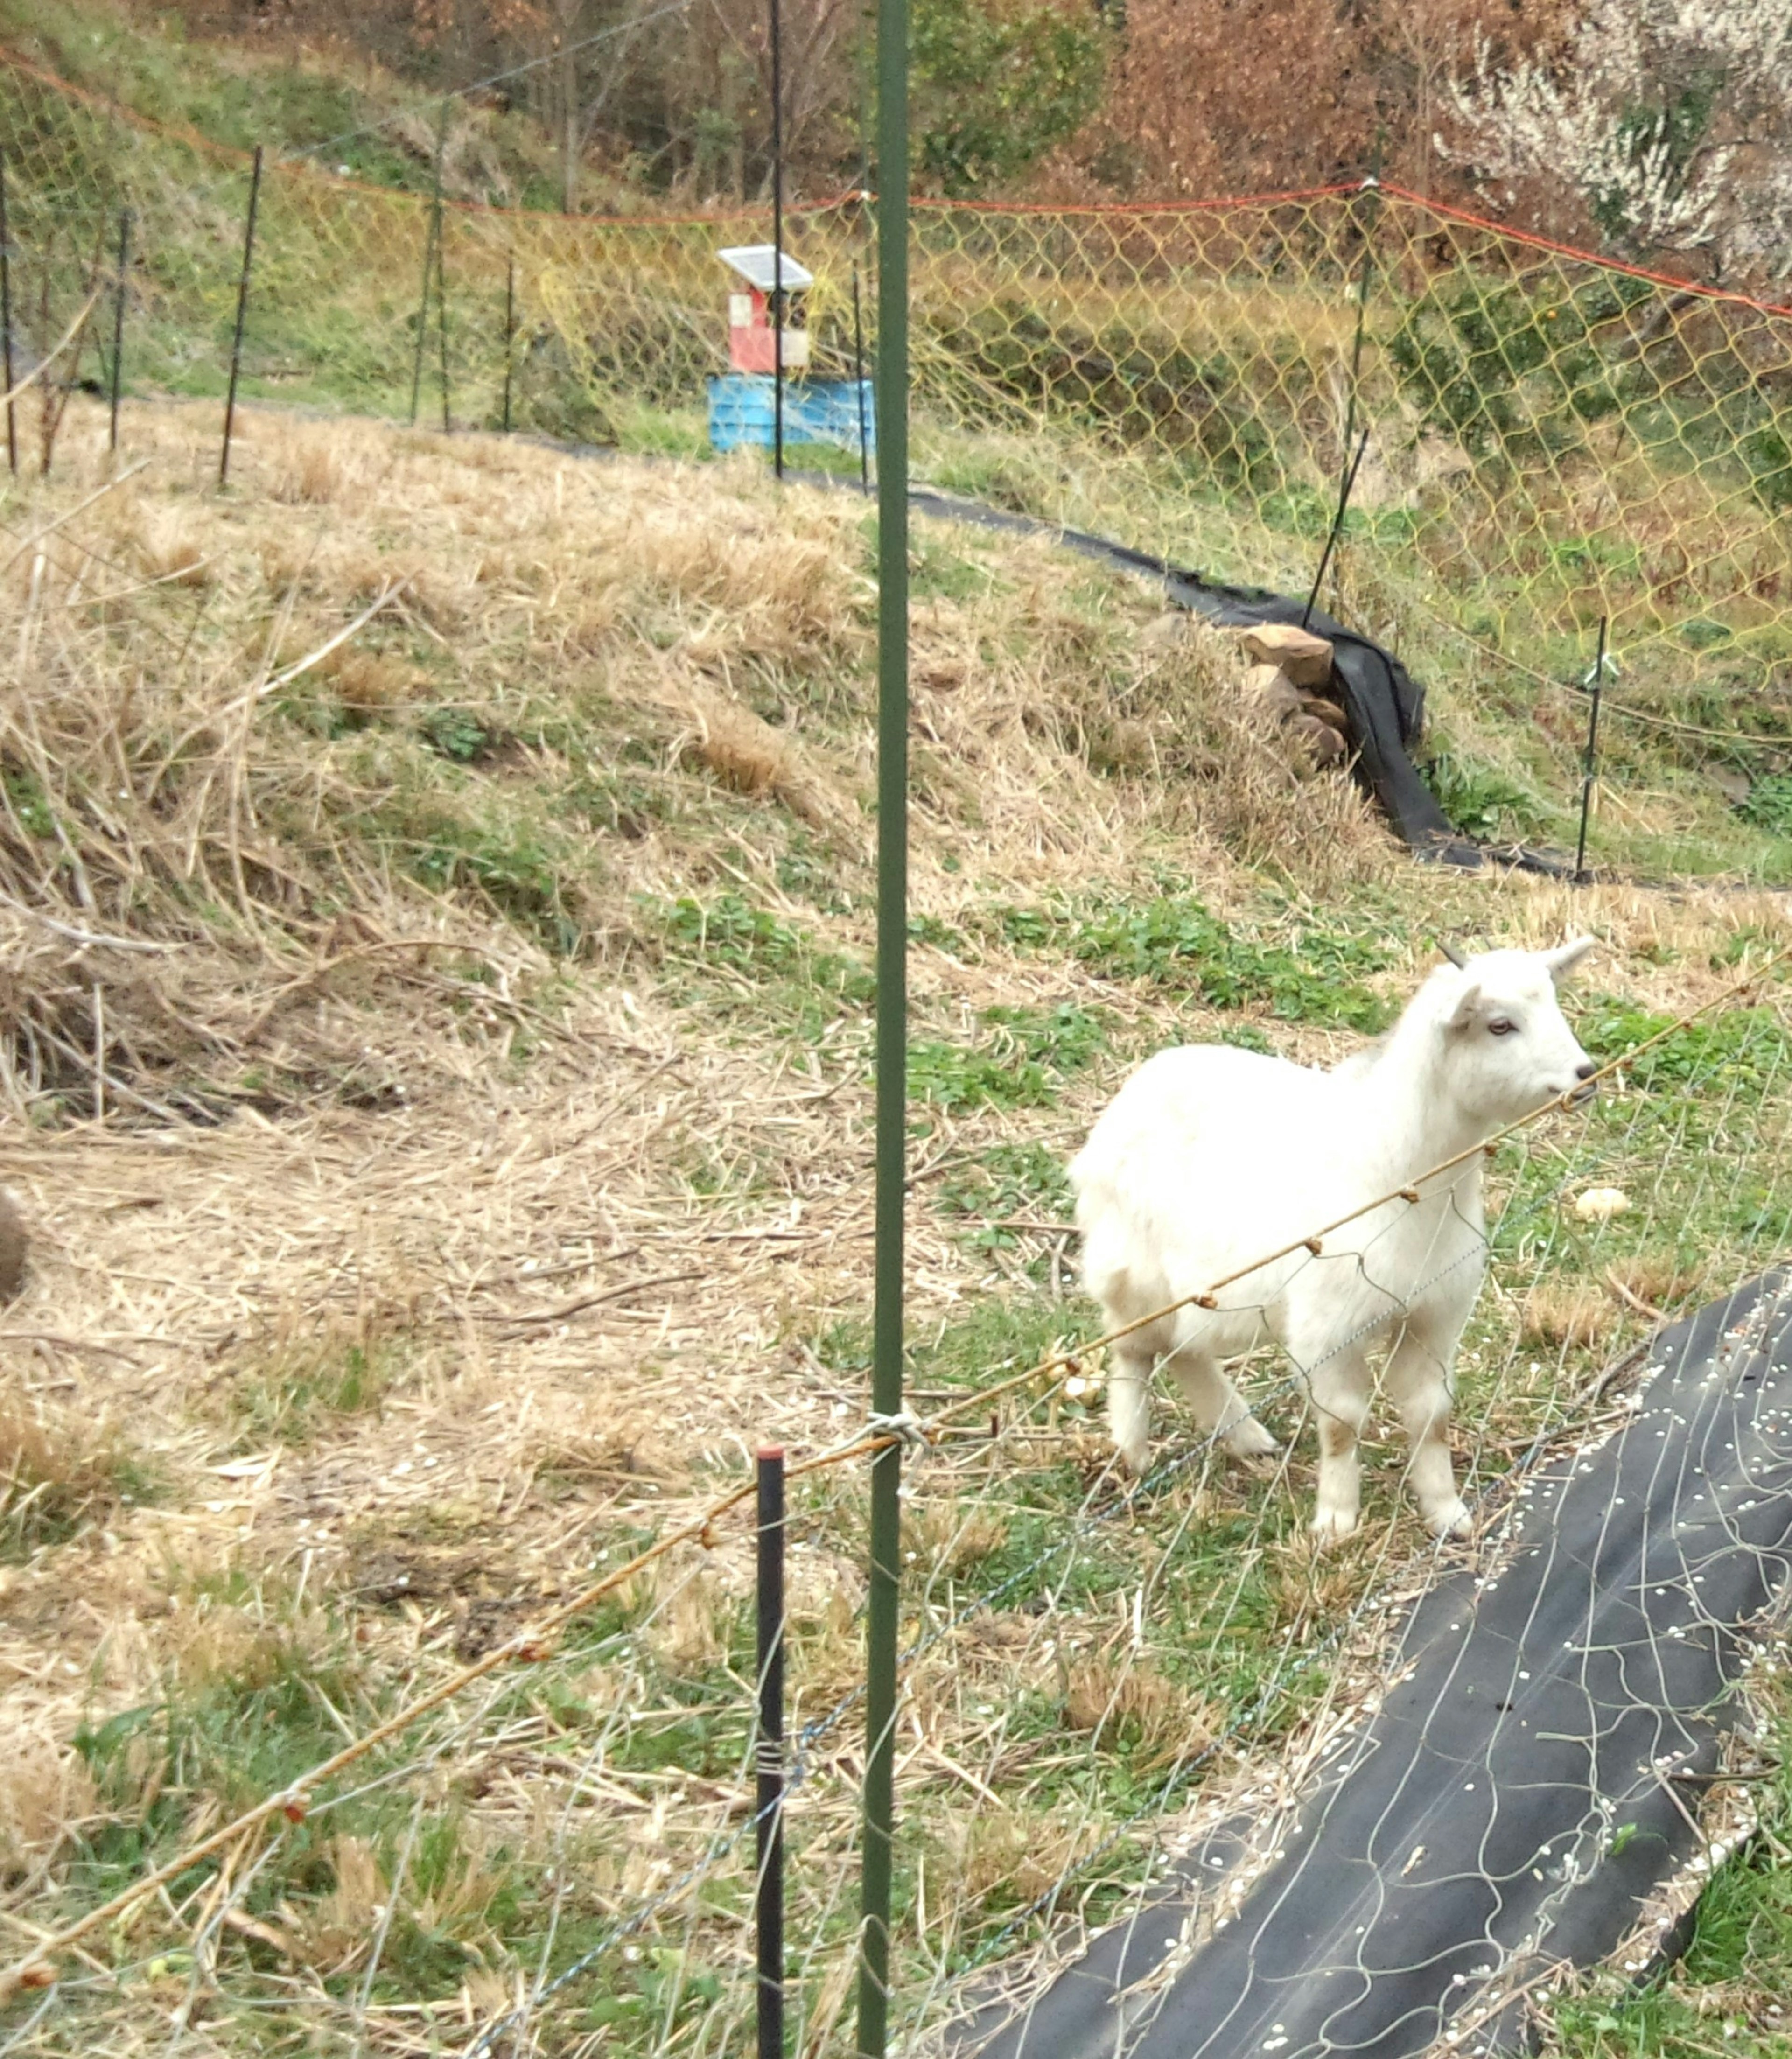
(1529, 1781)
(1383, 704)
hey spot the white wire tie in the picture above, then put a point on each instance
(904, 1425)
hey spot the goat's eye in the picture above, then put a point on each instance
(1501, 1027)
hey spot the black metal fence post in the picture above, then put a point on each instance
(1337, 529)
(1590, 768)
(242, 315)
(510, 331)
(118, 324)
(6, 321)
(769, 1798)
(441, 314)
(777, 240)
(859, 388)
(431, 243)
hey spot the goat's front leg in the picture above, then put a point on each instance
(1129, 1406)
(1418, 1381)
(1340, 1388)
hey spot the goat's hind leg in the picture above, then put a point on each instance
(1418, 1379)
(1218, 1406)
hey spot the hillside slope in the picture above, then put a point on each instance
(437, 891)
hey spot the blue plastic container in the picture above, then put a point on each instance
(743, 405)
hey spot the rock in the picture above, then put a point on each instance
(15, 1247)
(1318, 741)
(1272, 692)
(1328, 712)
(1601, 1204)
(1305, 658)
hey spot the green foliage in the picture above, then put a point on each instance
(1665, 135)
(456, 735)
(1148, 389)
(1743, 1050)
(664, 1991)
(1768, 456)
(297, 1395)
(731, 935)
(521, 866)
(1505, 364)
(1172, 941)
(1480, 804)
(998, 84)
(1769, 804)
(1022, 1064)
(1010, 1179)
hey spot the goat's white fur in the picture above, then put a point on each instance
(1209, 1157)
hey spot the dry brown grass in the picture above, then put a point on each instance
(1572, 1315)
(1126, 1697)
(581, 1231)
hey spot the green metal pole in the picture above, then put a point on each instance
(892, 1028)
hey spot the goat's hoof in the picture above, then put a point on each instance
(1137, 1459)
(1249, 1440)
(1452, 1519)
(1329, 1525)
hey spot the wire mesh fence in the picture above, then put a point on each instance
(1552, 438)
(1090, 1667)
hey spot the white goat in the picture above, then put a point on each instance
(1209, 1158)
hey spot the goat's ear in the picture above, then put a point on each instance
(1562, 962)
(1467, 1007)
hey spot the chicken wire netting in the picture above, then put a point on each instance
(1552, 438)
(1094, 1671)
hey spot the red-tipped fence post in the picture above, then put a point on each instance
(769, 1757)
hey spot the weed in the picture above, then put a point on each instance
(1746, 1048)
(1023, 1063)
(1478, 802)
(1010, 1179)
(1172, 941)
(59, 1471)
(296, 1394)
(728, 934)
(456, 735)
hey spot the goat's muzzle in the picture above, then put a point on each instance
(1577, 1097)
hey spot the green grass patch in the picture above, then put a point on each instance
(1172, 941)
(1022, 1061)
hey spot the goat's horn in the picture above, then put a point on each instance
(1453, 955)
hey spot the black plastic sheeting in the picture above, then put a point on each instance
(1383, 704)
(1519, 1797)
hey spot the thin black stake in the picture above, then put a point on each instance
(441, 315)
(429, 247)
(1337, 526)
(6, 320)
(859, 388)
(242, 315)
(118, 322)
(1370, 184)
(510, 331)
(1589, 768)
(769, 1799)
(777, 240)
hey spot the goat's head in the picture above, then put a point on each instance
(1508, 1049)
